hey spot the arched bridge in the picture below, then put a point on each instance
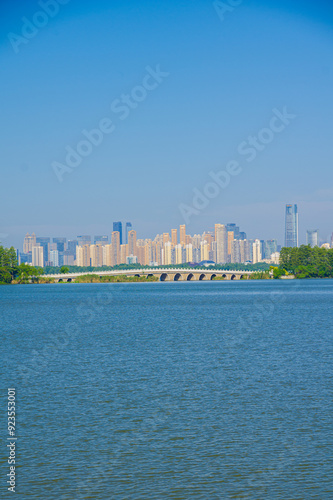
(162, 274)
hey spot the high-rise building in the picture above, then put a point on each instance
(204, 250)
(257, 257)
(167, 253)
(71, 247)
(83, 256)
(270, 247)
(182, 234)
(45, 244)
(115, 242)
(128, 227)
(178, 254)
(68, 258)
(96, 255)
(174, 237)
(235, 251)
(166, 237)
(29, 242)
(231, 238)
(132, 243)
(60, 243)
(233, 228)
(248, 250)
(37, 255)
(54, 257)
(312, 238)
(291, 226)
(83, 240)
(101, 240)
(117, 226)
(221, 239)
(189, 253)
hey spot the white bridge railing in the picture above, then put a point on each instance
(154, 270)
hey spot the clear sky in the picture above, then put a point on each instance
(221, 75)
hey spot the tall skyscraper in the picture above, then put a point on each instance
(257, 256)
(71, 247)
(312, 238)
(37, 256)
(115, 245)
(128, 227)
(132, 243)
(54, 257)
(270, 247)
(117, 226)
(221, 238)
(182, 234)
(61, 243)
(166, 237)
(291, 226)
(45, 244)
(29, 242)
(174, 237)
(235, 229)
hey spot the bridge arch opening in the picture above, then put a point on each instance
(60, 280)
(224, 275)
(202, 277)
(213, 276)
(69, 280)
(233, 277)
(189, 277)
(163, 277)
(137, 275)
(150, 275)
(177, 277)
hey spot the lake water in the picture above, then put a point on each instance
(187, 390)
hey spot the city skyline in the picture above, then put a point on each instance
(124, 227)
(226, 243)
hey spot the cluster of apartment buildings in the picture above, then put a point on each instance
(224, 244)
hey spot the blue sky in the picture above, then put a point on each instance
(225, 77)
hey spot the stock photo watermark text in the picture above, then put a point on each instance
(122, 108)
(248, 148)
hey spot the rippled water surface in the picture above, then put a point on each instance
(207, 390)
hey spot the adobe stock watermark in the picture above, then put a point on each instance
(223, 8)
(31, 27)
(56, 343)
(122, 108)
(248, 148)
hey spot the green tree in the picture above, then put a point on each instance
(27, 274)
(64, 270)
(5, 276)
(278, 272)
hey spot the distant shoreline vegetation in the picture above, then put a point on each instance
(305, 262)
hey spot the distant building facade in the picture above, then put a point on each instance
(312, 238)
(117, 226)
(291, 226)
